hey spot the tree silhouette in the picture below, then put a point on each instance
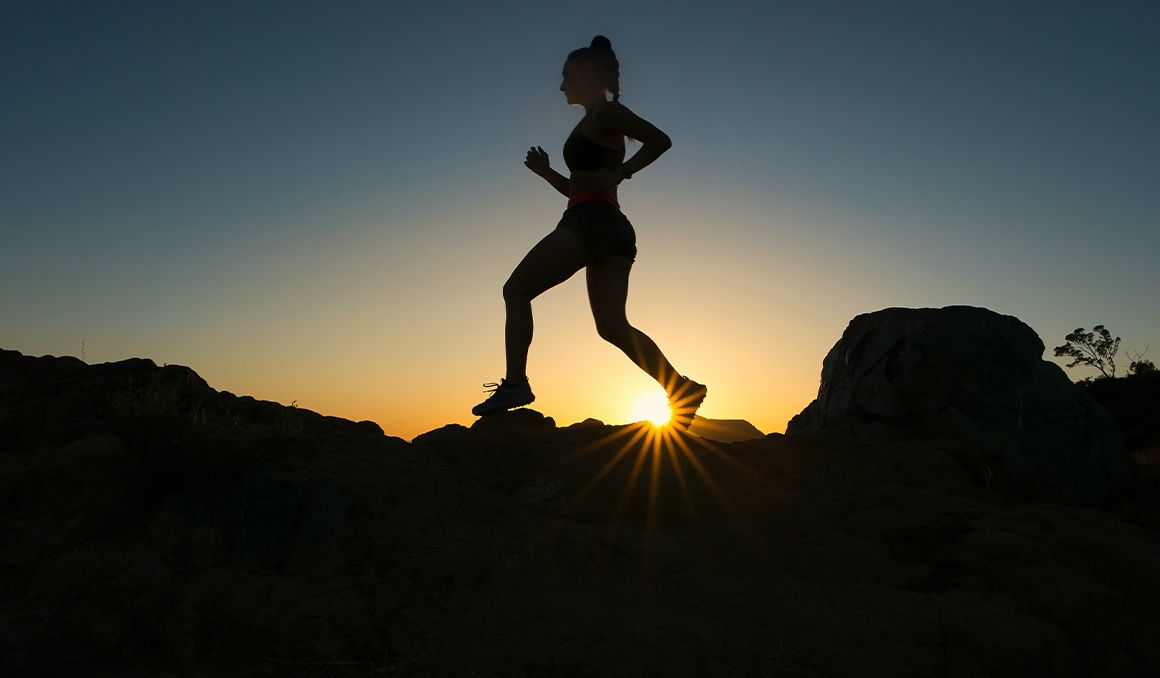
(1142, 366)
(1138, 363)
(1095, 348)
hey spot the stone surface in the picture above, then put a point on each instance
(970, 374)
(152, 526)
(1134, 403)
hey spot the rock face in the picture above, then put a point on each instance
(971, 374)
(1134, 402)
(153, 526)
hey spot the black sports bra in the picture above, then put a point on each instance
(582, 153)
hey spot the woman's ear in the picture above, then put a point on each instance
(589, 68)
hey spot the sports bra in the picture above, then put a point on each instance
(582, 153)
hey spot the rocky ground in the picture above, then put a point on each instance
(151, 525)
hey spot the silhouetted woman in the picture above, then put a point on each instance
(593, 233)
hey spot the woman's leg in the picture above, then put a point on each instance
(553, 260)
(607, 294)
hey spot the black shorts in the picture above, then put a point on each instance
(603, 229)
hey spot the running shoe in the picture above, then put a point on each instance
(686, 397)
(505, 396)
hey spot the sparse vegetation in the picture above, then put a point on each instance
(154, 396)
(1139, 364)
(1095, 349)
(1098, 349)
(173, 440)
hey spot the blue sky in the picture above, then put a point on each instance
(320, 201)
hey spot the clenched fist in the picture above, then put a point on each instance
(537, 160)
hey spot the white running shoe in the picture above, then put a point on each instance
(504, 397)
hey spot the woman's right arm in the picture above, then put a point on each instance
(559, 182)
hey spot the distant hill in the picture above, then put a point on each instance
(719, 430)
(724, 430)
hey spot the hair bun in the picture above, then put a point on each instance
(601, 41)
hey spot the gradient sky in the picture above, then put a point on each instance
(319, 202)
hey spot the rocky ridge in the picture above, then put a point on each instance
(152, 525)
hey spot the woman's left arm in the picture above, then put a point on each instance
(616, 118)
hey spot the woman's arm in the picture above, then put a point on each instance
(616, 118)
(537, 161)
(559, 182)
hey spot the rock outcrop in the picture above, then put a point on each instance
(1134, 403)
(151, 525)
(970, 374)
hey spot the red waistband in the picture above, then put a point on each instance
(584, 196)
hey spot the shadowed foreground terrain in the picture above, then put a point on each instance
(152, 525)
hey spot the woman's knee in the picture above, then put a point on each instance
(614, 330)
(515, 291)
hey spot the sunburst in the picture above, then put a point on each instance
(651, 406)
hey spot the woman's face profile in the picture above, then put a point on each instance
(579, 81)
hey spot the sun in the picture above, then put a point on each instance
(652, 405)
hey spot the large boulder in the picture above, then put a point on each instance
(972, 374)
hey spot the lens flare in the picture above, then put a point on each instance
(653, 406)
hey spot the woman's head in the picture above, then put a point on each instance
(591, 72)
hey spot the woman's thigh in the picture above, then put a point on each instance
(604, 230)
(550, 262)
(608, 291)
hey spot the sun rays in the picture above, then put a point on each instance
(656, 451)
(659, 441)
(675, 405)
(646, 485)
(654, 476)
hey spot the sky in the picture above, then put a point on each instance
(319, 202)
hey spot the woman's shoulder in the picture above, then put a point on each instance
(610, 105)
(605, 115)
